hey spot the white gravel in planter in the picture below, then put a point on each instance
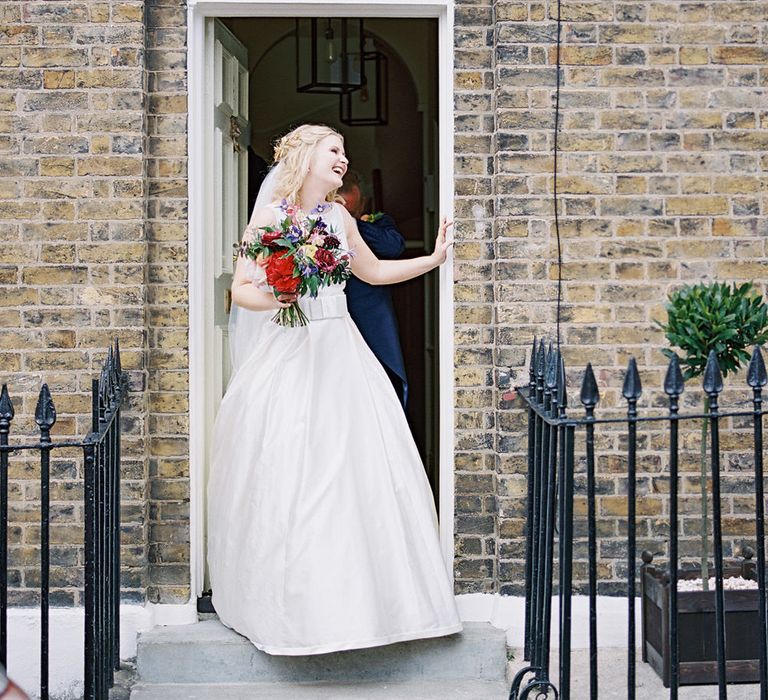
(733, 583)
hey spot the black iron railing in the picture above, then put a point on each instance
(101, 453)
(551, 465)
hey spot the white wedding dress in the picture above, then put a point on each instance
(322, 533)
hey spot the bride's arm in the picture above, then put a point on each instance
(245, 292)
(367, 267)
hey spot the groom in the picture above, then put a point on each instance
(371, 305)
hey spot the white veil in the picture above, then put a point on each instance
(245, 325)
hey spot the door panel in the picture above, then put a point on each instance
(230, 145)
(228, 139)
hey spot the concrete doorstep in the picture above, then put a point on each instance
(209, 653)
(405, 690)
(208, 661)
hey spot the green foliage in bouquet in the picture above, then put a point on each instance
(728, 319)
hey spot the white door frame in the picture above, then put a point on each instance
(199, 144)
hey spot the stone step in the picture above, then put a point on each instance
(208, 652)
(412, 690)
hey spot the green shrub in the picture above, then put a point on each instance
(728, 319)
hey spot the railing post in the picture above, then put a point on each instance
(529, 505)
(116, 509)
(550, 505)
(6, 416)
(631, 391)
(91, 631)
(589, 399)
(567, 462)
(757, 379)
(713, 385)
(673, 388)
(45, 417)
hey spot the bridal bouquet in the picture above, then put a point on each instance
(300, 257)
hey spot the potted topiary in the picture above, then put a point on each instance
(724, 321)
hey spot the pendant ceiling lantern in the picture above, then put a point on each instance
(328, 55)
(368, 106)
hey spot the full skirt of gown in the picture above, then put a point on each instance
(322, 532)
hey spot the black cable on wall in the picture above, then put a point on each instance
(554, 184)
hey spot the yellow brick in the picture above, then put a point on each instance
(468, 80)
(586, 142)
(57, 167)
(695, 184)
(587, 314)
(57, 189)
(99, 14)
(54, 57)
(58, 79)
(696, 206)
(62, 253)
(732, 227)
(705, 249)
(629, 227)
(580, 271)
(108, 78)
(109, 165)
(53, 359)
(742, 270)
(694, 55)
(582, 55)
(631, 185)
(748, 55)
(583, 12)
(110, 210)
(55, 275)
(591, 184)
(736, 184)
(517, 12)
(127, 12)
(10, 57)
(58, 210)
(100, 144)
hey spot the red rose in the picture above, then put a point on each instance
(331, 242)
(268, 239)
(325, 260)
(280, 274)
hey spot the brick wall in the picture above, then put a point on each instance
(662, 182)
(72, 259)
(167, 302)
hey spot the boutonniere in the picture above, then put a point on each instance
(373, 217)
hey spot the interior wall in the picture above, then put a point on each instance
(395, 149)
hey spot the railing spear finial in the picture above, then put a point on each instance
(674, 384)
(45, 411)
(633, 387)
(589, 391)
(713, 377)
(6, 405)
(756, 374)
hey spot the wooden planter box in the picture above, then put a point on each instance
(697, 642)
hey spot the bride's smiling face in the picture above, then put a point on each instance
(328, 162)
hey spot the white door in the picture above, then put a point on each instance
(230, 180)
(228, 183)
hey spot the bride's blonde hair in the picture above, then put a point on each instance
(294, 151)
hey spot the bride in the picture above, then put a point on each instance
(322, 533)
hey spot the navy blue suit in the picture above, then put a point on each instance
(371, 305)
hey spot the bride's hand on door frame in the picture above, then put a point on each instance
(442, 242)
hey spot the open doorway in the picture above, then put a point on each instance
(400, 160)
(397, 162)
